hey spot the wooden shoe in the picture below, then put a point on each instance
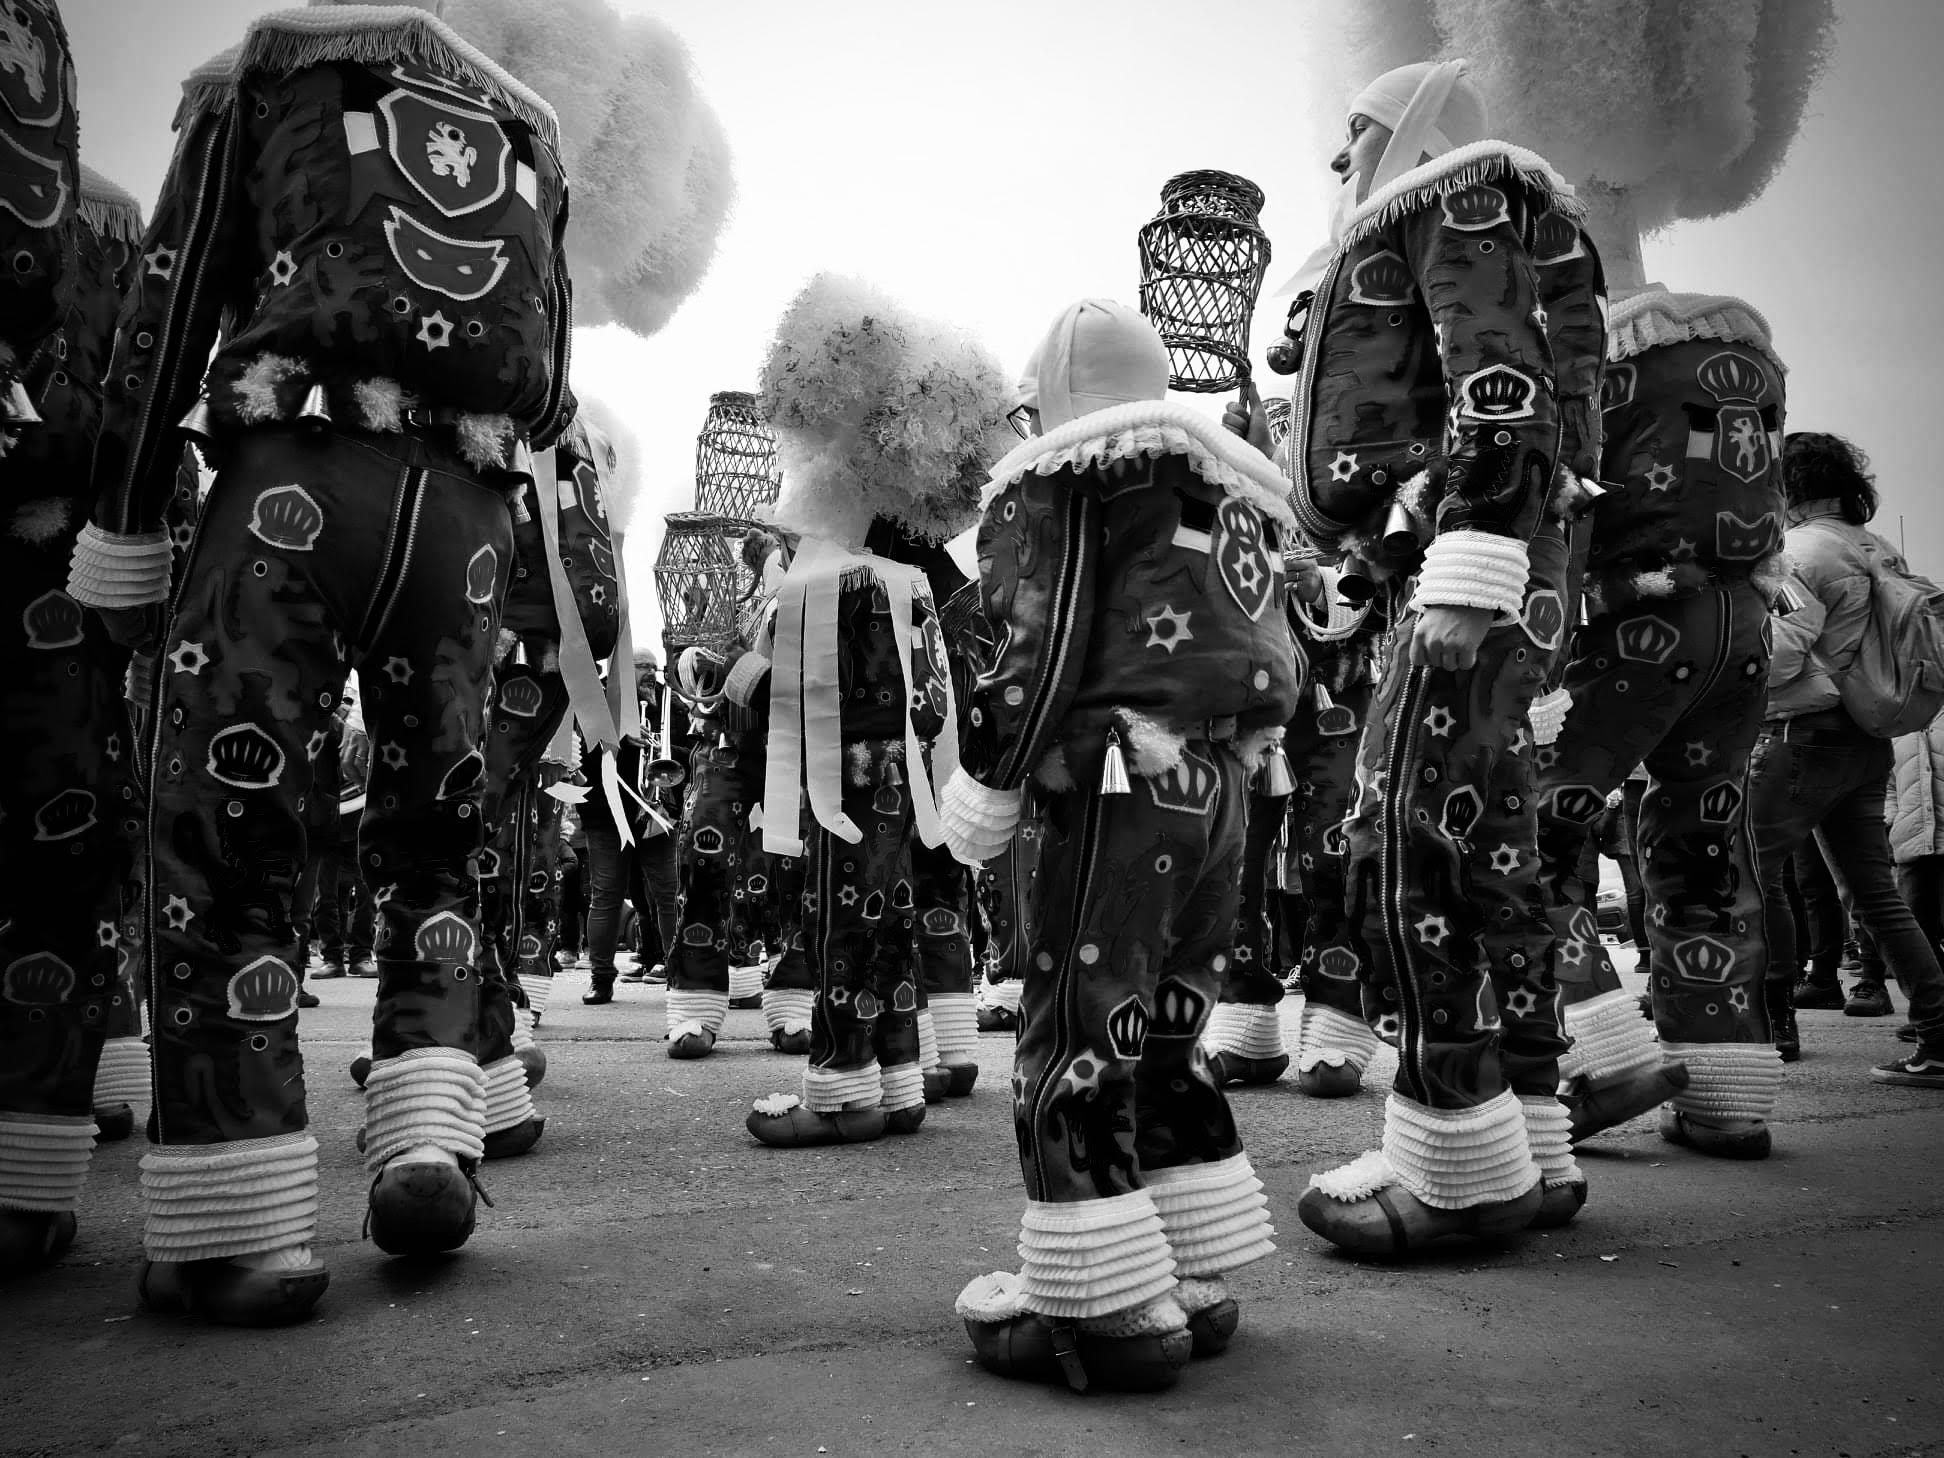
(1393, 1221)
(998, 1020)
(1592, 1108)
(232, 1295)
(1213, 1327)
(1036, 1348)
(963, 1076)
(533, 1058)
(30, 1239)
(797, 1043)
(1558, 1204)
(905, 1121)
(800, 1127)
(515, 1140)
(1234, 1068)
(698, 1044)
(938, 1083)
(361, 1069)
(421, 1208)
(1330, 1081)
(1744, 1139)
(113, 1123)
(754, 1000)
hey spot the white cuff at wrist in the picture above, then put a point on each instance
(978, 821)
(112, 570)
(1548, 715)
(1474, 569)
(745, 677)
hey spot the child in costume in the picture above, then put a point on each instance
(1428, 435)
(1131, 562)
(878, 414)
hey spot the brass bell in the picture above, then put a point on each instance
(1400, 530)
(892, 774)
(317, 407)
(1113, 770)
(17, 407)
(1276, 778)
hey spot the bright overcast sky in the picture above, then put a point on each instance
(991, 163)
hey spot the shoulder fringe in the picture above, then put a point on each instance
(293, 40)
(107, 211)
(1456, 170)
(1655, 317)
(1152, 428)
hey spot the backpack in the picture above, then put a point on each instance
(1895, 685)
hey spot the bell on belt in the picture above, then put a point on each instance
(199, 424)
(17, 408)
(1401, 533)
(1113, 772)
(1276, 778)
(317, 409)
(892, 774)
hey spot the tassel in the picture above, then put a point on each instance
(17, 408)
(1113, 772)
(1276, 778)
(317, 409)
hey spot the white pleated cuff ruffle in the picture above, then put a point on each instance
(1547, 715)
(832, 1090)
(691, 1011)
(927, 1040)
(996, 1296)
(211, 1201)
(1361, 1178)
(433, 1096)
(522, 1034)
(112, 570)
(1728, 1080)
(538, 990)
(1610, 1038)
(1324, 1035)
(508, 1099)
(956, 1021)
(1004, 995)
(1093, 1257)
(787, 1009)
(122, 1076)
(901, 1086)
(978, 821)
(744, 678)
(1216, 1215)
(44, 1160)
(1246, 1029)
(1457, 1158)
(1475, 570)
(1549, 1132)
(745, 982)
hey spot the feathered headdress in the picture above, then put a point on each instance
(871, 400)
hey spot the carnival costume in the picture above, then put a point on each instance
(1427, 435)
(1131, 564)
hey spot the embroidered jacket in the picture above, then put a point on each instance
(1692, 462)
(582, 545)
(359, 200)
(1132, 571)
(1572, 291)
(1428, 359)
(39, 179)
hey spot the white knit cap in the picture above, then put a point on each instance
(1430, 109)
(1098, 353)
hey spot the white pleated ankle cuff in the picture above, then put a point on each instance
(1216, 1215)
(1093, 1257)
(704, 1009)
(1610, 1038)
(787, 1009)
(927, 1040)
(122, 1076)
(522, 1033)
(1324, 1035)
(901, 1086)
(1456, 1158)
(508, 1099)
(1246, 1029)
(1728, 1080)
(433, 1096)
(1001, 994)
(537, 989)
(1549, 1132)
(746, 981)
(956, 1022)
(1473, 569)
(210, 1201)
(1547, 716)
(44, 1160)
(832, 1090)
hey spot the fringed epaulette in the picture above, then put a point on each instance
(1654, 318)
(210, 87)
(1458, 169)
(107, 211)
(1148, 429)
(368, 35)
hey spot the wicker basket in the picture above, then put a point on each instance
(701, 580)
(1202, 260)
(735, 458)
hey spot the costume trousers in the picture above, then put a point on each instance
(1442, 864)
(1251, 977)
(714, 896)
(1679, 685)
(942, 890)
(1133, 913)
(1006, 893)
(860, 936)
(316, 552)
(1322, 750)
(69, 817)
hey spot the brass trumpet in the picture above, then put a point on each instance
(663, 772)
